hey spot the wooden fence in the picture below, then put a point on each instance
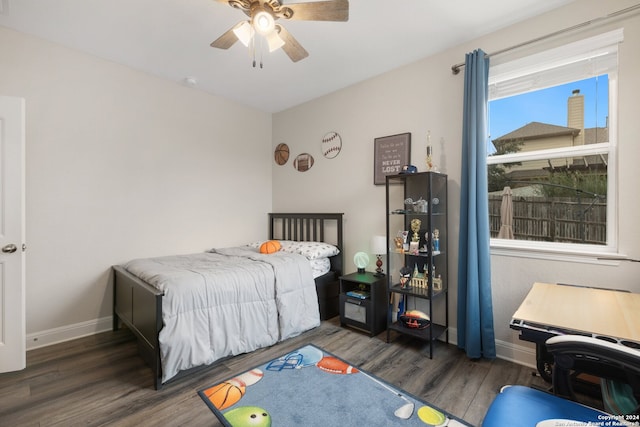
(555, 219)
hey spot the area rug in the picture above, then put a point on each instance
(311, 387)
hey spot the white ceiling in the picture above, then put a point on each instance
(170, 39)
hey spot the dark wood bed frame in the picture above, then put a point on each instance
(138, 305)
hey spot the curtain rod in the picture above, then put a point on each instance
(455, 69)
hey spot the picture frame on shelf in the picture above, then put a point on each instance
(390, 153)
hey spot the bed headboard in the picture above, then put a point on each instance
(310, 227)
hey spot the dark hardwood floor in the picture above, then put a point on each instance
(100, 380)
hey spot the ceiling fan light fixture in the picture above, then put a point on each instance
(262, 16)
(263, 23)
(244, 33)
(274, 40)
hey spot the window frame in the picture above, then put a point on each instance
(572, 251)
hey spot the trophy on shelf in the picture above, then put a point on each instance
(429, 159)
(415, 239)
(415, 227)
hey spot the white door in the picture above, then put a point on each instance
(12, 235)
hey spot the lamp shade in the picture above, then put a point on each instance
(274, 41)
(379, 245)
(244, 32)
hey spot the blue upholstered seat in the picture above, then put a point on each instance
(519, 406)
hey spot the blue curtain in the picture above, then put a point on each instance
(475, 309)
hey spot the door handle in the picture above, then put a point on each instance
(9, 249)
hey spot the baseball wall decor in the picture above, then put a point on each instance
(281, 154)
(331, 145)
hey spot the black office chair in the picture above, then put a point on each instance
(617, 365)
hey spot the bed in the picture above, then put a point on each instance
(181, 324)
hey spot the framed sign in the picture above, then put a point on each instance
(389, 155)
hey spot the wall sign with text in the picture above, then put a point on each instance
(390, 154)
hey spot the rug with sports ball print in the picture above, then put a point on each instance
(311, 387)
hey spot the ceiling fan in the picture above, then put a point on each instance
(263, 14)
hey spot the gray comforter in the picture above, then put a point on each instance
(228, 301)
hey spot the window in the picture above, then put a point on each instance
(551, 155)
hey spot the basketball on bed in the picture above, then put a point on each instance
(225, 394)
(270, 246)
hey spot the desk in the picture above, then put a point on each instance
(554, 309)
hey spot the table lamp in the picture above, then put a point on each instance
(361, 260)
(379, 248)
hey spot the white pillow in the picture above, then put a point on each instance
(311, 250)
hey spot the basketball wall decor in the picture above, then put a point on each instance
(281, 154)
(331, 145)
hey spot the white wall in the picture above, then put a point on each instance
(122, 165)
(426, 96)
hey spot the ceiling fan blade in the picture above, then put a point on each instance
(228, 39)
(240, 4)
(244, 5)
(333, 10)
(291, 47)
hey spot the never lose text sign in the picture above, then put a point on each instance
(390, 154)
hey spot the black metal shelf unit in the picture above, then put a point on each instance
(417, 263)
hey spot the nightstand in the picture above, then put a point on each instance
(363, 302)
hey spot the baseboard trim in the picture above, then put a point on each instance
(68, 333)
(505, 350)
(516, 353)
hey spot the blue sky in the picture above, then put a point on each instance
(549, 106)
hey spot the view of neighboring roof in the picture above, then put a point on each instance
(535, 130)
(596, 135)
